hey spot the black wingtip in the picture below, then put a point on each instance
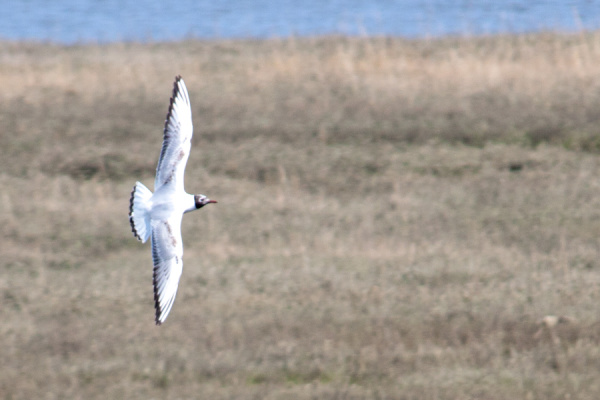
(172, 100)
(131, 201)
(156, 302)
(178, 79)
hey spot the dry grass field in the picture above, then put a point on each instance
(396, 220)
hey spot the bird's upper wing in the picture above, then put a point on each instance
(176, 139)
(167, 253)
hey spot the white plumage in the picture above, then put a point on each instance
(158, 216)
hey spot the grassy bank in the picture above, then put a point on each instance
(395, 220)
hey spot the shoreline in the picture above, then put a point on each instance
(328, 36)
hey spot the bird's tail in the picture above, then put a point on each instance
(139, 212)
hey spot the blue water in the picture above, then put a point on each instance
(154, 20)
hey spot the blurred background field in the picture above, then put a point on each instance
(396, 218)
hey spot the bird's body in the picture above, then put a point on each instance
(158, 215)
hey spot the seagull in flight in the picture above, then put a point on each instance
(158, 215)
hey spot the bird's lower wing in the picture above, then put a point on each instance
(167, 253)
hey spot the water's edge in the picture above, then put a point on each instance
(89, 21)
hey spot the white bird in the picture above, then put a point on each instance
(158, 215)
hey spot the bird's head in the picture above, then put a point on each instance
(201, 200)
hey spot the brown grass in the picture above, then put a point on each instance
(395, 220)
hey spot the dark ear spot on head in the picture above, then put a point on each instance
(197, 201)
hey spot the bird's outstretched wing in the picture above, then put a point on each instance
(176, 139)
(167, 253)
